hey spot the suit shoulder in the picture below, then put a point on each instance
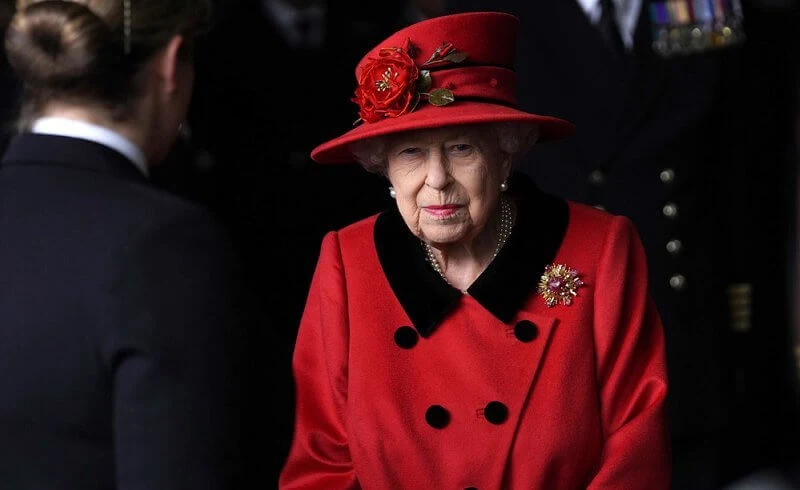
(151, 208)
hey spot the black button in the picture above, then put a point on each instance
(406, 337)
(525, 331)
(496, 413)
(437, 417)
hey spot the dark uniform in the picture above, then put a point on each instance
(118, 335)
(666, 141)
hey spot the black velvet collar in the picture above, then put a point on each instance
(502, 288)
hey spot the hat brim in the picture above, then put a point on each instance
(460, 113)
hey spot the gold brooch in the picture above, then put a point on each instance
(559, 284)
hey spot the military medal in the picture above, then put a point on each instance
(683, 27)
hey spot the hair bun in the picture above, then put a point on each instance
(57, 44)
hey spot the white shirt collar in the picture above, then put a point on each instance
(61, 126)
(626, 13)
(285, 16)
(588, 5)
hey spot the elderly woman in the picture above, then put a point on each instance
(481, 334)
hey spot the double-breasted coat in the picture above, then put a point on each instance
(405, 382)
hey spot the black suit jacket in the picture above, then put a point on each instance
(688, 134)
(116, 327)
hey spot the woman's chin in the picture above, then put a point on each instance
(443, 235)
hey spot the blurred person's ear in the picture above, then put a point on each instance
(168, 64)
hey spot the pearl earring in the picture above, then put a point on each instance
(504, 186)
(392, 193)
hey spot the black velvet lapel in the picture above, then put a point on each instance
(514, 274)
(502, 288)
(424, 295)
(42, 149)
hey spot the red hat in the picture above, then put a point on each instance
(445, 71)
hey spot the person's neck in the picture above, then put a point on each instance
(463, 263)
(97, 116)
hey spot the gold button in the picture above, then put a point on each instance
(670, 210)
(667, 175)
(674, 246)
(677, 282)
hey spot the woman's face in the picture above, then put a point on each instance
(447, 181)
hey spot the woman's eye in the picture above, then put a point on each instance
(461, 149)
(411, 151)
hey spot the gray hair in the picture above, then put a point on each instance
(513, 139)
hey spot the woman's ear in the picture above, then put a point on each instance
(166, 64)
(506, 159)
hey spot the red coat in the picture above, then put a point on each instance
(405, 383)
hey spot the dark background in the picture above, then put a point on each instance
(261, 105)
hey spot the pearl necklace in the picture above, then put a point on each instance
(506, 224)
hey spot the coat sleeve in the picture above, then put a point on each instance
(631, 369)
(171, 357)
(320, 456)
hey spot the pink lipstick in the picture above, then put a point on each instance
(443, 211)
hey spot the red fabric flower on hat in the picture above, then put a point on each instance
(387, 85)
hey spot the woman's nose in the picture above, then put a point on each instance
(438, 173)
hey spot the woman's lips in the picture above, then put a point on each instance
(443, 211)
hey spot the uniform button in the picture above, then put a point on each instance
(406, 337)
(597, 177)
(600, 207)
(670, 210)
(437, 417)
(677, 282)
(495, 412)
(525, 331)
(667, 175)
(674, 246)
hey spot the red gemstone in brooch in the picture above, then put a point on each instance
(559, 284)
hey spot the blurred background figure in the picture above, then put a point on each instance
(684, 113)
